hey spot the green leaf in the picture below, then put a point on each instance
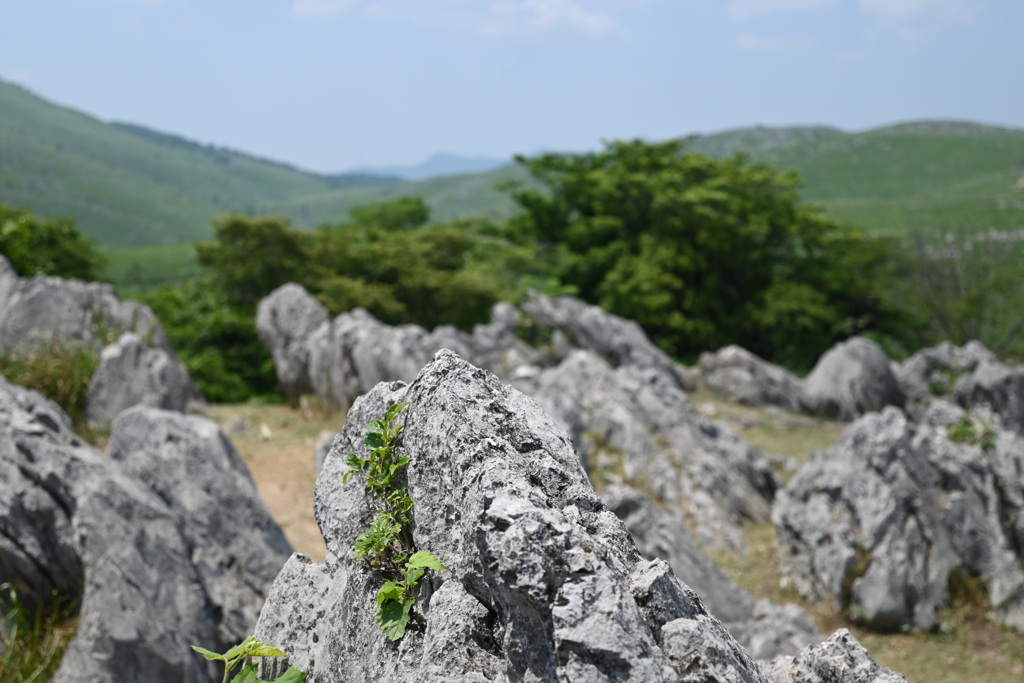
(390, 591)
(250, 674)
(375, 440)
(212, 656)
(413, 576)
(425, 558)
(264, 650)
(393, 617)
(241, 649)
(395, 410)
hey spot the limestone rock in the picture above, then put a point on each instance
(36, 310)
(742, 377)
(934, 372)
(617, 340)
(164, 542)
(285, 320)
(636, 426)
(131, 374)
(765, 630)
(879, 522)
(840, 659)
(544, 582)
(851, 379)
(995, 388)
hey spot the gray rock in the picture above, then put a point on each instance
(742, 377)
(765, 630)
(324, 443)
(840, 659)
(544, 582)
(636, 426)
(853, 378)
(880, 522)
(285, 320)
(163, 543)
(617, 340)
(131, 374)
(996, 388)
(934, 372)
(34, 311)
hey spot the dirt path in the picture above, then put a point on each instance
(278, 447)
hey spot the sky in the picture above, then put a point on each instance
(334, 85)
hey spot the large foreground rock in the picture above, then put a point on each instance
(544, 582)
(164, 542)
(853, 378)
(880, 523)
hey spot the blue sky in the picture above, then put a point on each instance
(331, 85)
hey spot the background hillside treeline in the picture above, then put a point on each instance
(702, 251)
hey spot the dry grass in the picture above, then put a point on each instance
(281, 461)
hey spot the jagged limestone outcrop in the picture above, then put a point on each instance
(163, 542)
(881, 521)
(544, 582)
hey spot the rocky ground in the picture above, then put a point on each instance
(278, 444)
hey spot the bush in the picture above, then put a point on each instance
(59, 371)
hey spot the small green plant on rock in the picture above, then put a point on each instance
(388, 544)
(973, 431)
(244, 651)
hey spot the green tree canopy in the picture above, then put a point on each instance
(251, 257)
(702, 252)
(49, 247)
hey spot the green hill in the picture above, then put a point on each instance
(134, 189)
(930, 176)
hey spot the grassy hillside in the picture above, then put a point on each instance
(124, 185)
(926, 175)
(132, 188)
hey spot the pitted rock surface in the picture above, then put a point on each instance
(34, 311)
(544, 582)
(880, 521)
(164, 542)
(132, 374)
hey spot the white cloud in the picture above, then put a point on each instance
(483, 16)
(532, 15)
(912, 20)
(320, 9)
(752, 43)
(747, 9)
(899, 11)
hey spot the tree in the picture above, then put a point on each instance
(968, 284)
(49, 247)
(702, 252)
(251, 257)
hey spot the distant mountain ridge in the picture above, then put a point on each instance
(438, 165)
(126, 184)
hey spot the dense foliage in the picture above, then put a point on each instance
(388, 259)
(704, 252)
(49, 247)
